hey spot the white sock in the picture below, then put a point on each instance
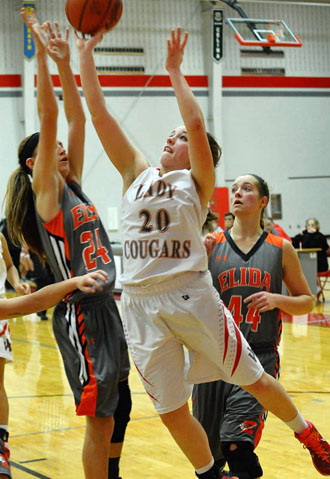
(206, 468)
(298, 424)
(4, 426)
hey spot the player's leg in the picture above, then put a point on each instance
(243, 421)
(192, 440)
(95, 454)
(121, 417)
(208, 406)
(105, 345)
(242, 460)
(183, 427)
(273, 397)
(4, 414)
(241, 429)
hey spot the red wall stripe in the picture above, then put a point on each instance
(12, 81)
(140, 81)
(195, 81)
(274, 82)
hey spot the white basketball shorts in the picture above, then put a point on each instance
(184, 311)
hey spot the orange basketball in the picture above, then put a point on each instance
(89, 16)
(271, 38)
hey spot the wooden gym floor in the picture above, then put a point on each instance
(46, 437)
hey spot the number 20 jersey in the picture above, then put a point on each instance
(162, 221)
(75, 241)
(237, 275)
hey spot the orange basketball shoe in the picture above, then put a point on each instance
(318, 447)
(4, 458)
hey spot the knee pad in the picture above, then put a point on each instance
(121, 415)
(242, 462)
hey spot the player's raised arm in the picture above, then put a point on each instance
(59, 51)
(44, 164)
(200, 155)
(124, 156)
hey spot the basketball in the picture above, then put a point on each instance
(89, 16)
(271, 38)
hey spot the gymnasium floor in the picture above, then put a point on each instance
(46, 436)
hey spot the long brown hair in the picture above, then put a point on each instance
(263, 190)
(20, 208)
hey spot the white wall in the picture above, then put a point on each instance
(279, 133)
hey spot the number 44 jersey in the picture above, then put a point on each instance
(75, 241)
(162, 221)
(237, 275)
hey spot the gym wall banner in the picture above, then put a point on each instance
(28, 42)
(217, 17)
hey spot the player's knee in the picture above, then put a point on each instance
(242, 461)
(122, 413)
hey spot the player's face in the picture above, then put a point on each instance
(229, 221)
(62, 158)
(245, 197)
(175, 154)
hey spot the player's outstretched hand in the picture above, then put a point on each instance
(58, 48)
(175, 49)
(91, 282)
(39, 32)
(85, 44)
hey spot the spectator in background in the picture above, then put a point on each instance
(277, 230)
(229, 220)
(311, 237)
(211, 223)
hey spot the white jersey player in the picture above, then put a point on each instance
(168, 299)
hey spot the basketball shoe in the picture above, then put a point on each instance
(318, 447)
(214, 473)
(4, 458)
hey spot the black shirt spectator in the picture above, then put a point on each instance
(311, 237)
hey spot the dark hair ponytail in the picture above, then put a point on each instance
(20, 208)
(263, 191)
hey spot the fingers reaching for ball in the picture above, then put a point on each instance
(40, 35)
(88, 43)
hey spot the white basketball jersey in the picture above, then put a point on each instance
(162, 221)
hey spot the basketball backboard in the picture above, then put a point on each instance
(263, 33)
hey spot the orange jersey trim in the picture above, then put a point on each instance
(88, 400)
(56, 228)
(275, 240)
(219, 237)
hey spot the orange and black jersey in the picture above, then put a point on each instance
(75, 241)
(237, 275)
